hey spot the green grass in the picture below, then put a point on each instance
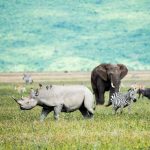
(23, 130)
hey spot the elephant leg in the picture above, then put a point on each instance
(110, 94)
(44, 113)
(101, 99)
(99, 90)
(97, 97)
(96, 93)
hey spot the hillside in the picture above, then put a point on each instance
(77, 35)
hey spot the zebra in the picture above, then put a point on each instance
(27, 78)
(121, 100)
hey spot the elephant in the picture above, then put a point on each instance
(107, 77)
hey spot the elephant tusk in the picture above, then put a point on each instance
(112, 85)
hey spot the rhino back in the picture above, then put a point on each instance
(71, 96)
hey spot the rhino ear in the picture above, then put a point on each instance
(101, 71)
(37, 92)
(32, 93)
(40, 85)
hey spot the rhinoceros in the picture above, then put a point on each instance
(59, 98)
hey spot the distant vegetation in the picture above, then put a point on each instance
(73, 35)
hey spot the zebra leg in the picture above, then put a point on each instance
(114, 110)
(129, 109)
(121, 109)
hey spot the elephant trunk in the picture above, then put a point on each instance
(115, 83)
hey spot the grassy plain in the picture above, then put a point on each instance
(23, 130)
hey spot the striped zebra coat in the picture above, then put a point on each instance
(121, 100)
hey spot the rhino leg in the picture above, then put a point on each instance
(57, 110)
(90, 111)
(44, 113)
(90, 114)
(85, 112)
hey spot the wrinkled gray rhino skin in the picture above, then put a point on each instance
(59, 98)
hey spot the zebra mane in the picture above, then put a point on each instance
(114, 95)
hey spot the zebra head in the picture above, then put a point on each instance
(132, 94)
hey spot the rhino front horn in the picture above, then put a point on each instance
(14, 98)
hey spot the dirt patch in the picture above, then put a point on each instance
(142, 77)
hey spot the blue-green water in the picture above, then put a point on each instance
(73, 35)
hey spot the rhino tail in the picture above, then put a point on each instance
(88, 105)
(94, 107)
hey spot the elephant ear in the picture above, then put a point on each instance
(123, 70)
(101, 71)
